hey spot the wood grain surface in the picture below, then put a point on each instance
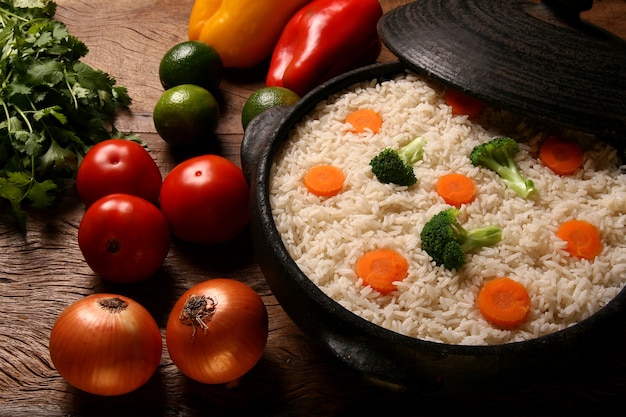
(43, 271)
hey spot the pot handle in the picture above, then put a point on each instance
(257, 136)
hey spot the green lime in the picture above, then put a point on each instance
(186, 114)
(265, 98)
(191, 62)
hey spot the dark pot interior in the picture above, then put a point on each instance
(380, 355)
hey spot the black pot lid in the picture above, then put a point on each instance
(536, 58)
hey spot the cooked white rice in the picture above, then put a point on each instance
(326, 236)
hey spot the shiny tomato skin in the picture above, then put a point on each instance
(124, 238)
(118, 166)
(205, 200)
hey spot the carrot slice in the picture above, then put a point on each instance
(562, 156)
(380, 268)
(461, 103)
(456, 189)
(504, 302)
(583, 238)
(324, 180)
(365, 119)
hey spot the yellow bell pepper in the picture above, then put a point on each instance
(243, 32)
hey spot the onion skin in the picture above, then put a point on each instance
(103, 351)
(232, 339)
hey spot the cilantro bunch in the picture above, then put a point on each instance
(53, 107)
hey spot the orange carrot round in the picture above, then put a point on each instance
(324, 180)
(504, 302)
(583, 238)
(365, 119)
(456, 189)
(380, 268)
(562, 156)
(461, 103)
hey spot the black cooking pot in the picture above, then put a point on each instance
(380, 355)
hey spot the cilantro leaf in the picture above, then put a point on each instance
(44, 72)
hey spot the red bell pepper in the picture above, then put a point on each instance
(323, 39)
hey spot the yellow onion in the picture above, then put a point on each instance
(106, 344)
(217, 331)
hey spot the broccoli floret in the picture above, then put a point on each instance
(446, 241)
(396, 166)
(497, 155)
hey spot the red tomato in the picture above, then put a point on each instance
(124, 238)
(205, 200)
(118, 166)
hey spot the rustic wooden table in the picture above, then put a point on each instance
(43, 271)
